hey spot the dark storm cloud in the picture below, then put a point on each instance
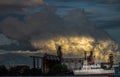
(115, 34)
(8, 6)
(14, 59)
(63, 7)
(11, 8)
(113, 1)
(8, 44)
(110, 22)
(22, 2)
(94, 1)
(47, 24)
(108, 25)
(23, 46)
(6, 41)
(106, 1)
(33, 25)
(67, 0)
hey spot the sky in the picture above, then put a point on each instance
(41, 25)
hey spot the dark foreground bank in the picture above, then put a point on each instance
(57, 70)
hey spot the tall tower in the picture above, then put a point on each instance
(111, 58)
(90, 58)
(59, 53)
(85, 55)
(110, 61)
(91, 53)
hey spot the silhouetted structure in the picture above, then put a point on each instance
(110, 60)
(90, 58)
(3, 70)
(85, 55)
(18, 70)
(35, 61)
(48, 61)
(59, 53)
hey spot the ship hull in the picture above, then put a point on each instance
(95, 73)
(110, 74)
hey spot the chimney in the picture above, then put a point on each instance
(111, 58)
(85, 55)
(59, 52)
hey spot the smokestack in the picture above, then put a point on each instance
(85, 55)
(59, 52)
(91, 54)
(110, 60)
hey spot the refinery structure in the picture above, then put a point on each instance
(74, 64)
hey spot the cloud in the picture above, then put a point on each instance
(108, 22)
(93, 1)
(115, 33)
(46, 30)
(20, 46)
(67, 0)
(8, 6)
(12, 59)
(22, 2)
(113, 1)
(32, 26)
(8, 44)
(6, 41)
(47, 24)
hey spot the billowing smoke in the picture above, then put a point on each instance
(74, 32)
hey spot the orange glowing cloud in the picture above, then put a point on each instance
(77, 45)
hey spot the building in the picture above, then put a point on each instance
(48, 61)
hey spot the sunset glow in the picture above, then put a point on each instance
(75, 46)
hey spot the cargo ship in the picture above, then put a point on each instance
(90, 68)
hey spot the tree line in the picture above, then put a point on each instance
(16, 71)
